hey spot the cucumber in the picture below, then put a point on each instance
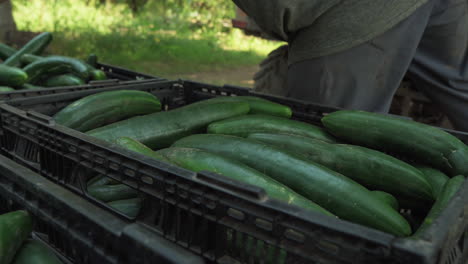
(429, 145)
(35, 252)
(92, 60)
(11, 76)
(28, 86)
(129, 207)
(34, 46)
(6, 89)
(15, 227)
(27, 59)
(109, 193)
(63, 80)
(370, 168)
(106, 107)
(451, 187)
(257, 105)
(161, 129)
(338, 194)
(136, 146)
(198, 160)
(6, 51)
(436, 178)
(388, 198)
(101, 180)
(56, 65)
(98, 75)
(248, 124)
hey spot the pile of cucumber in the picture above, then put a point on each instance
(26, 69)
(15, 247)
(361, 167)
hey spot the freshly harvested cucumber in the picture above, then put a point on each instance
(11, 76)
(429, 145)
(63, 80)
(199, 160)
(109, 193)
(100, 180)
(450, 189)
(34, 46)
(129, 207)
(371, 168)
(257, 105)
(388, 198)
(6, 89)
(338, 194)
(160, 130)
(136, 146)
(55, 65)
(436, 178)
(244, 125)
(104, 108)
(15, 227)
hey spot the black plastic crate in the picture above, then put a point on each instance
(116, 76)
(222, 220)
(115, 72)
(76, 230)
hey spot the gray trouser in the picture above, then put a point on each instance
(431, 47)
(7, 22)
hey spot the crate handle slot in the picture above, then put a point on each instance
(250, 191)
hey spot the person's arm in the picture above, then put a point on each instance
(284, 18)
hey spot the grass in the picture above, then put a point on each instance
(158, 40)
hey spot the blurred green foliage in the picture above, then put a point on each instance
(163, 37)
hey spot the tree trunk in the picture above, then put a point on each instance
(7, 22)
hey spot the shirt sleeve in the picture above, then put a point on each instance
(285, 18)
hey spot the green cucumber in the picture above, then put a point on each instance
(248, 124)
(35, 252)
(257, 105)
(198, 160)
(388, 198)
(6, 89)
(63, 80)
(92, 60)
(451, 187)
(11, 76)
(15, 227)
(34, 46)
(6, 51)
(429, 145)
(371, 168)
(49, 65)
(129, 207)
(27, 59)
(136, 146)
(338, 194)
(109, 193)
(103, 108)
(436, 178)
(28, 86)
(161, 129)
(98, 75)
(101, 180)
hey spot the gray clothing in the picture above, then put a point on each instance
(431, 46)
(315, 28)
(7, 22)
